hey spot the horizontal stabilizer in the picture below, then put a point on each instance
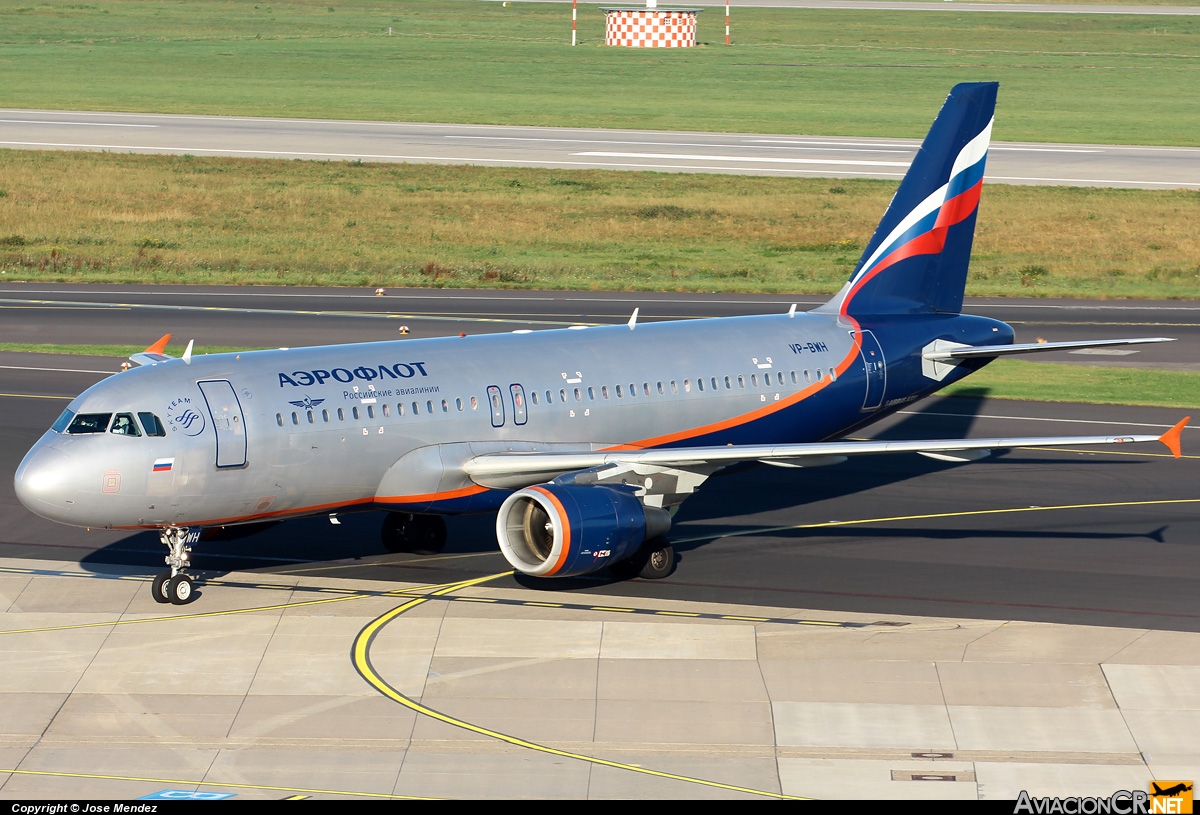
(947, 351)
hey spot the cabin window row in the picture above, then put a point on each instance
(701, 384)
(386, 410)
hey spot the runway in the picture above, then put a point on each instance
(888, 628)
(662, 151)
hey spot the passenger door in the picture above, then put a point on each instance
(228, 423)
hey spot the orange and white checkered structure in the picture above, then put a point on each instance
(650, 28)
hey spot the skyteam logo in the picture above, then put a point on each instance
(183, 416)
(923, 230)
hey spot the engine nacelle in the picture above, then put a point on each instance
(557, 531)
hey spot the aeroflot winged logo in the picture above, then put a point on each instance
(923, 231)
(366, 373)
(307, 403)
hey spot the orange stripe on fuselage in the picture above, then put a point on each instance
(566, 530)
(758, 413)
(462, 492)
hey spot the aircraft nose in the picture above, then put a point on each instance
(44, 483)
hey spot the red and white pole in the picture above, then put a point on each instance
(727, 22)
(573, 23)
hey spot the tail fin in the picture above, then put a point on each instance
(916, 262)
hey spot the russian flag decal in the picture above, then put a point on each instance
(162, 465)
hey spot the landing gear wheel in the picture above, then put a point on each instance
(179, 589)
(417, 534)
(158, 589)
(660, 562)
(654, 561)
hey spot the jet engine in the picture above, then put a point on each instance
(551, 530)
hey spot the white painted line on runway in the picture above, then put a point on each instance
(1172, 184)
(82, 124)
(60, 370)
(718, 146)
(689, 157)
(1036, 419)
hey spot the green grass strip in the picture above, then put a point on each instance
(1053, 382)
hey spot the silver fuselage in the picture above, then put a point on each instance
(386, 425)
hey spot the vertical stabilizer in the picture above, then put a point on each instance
(916, 262)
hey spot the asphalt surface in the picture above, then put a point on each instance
(731, 153)
(1101, 538)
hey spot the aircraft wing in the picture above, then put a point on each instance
(942, 351)
(512, 470)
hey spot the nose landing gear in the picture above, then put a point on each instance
(174, 586)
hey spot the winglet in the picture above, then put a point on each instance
(159, 347)
(633, 320)
(1171, 437)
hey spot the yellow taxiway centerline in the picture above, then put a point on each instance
(361, 656)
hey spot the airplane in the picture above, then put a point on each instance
(1169, 792)
(583, 440)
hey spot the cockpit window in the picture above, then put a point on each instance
(124, 425)
(152, 425)
(63, 421)
(89, 423)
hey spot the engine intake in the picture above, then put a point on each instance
(559, 531)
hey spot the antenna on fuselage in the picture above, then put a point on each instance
(792, 311)
(187, 352)
(633, 319)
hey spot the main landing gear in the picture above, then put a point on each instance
(415, 534)
(174, 586)
(654, 561)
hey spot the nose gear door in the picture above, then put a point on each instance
(228, 423)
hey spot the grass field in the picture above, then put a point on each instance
(176, 219)
(1119, 79)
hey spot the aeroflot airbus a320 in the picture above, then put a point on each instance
(585, 441)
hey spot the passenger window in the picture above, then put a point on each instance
(754, 380)
(741, 381)
(445, 406)
(619, 394)
(713, 382)
(532, 395)
(687, 386)
(341, 415)
(646, 388)
(370, 411)
(417, 409)
(124, 425)
(429, 405)
(475, 402)
(794, 380)
(819, 377)
(591, 394)
(661, 392)
(807, 377)
(832, 375)
(458, 402)
(674, 387)
(325, 416)
(354, 412)
(295, 418)
(632, 391)
(604, 390)
(387, 411)
(310, 417)
(89, 423)
(728, 383)
(399, 408)
(279, 419)
(154, 427)
(700, 383)
(578, 396)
